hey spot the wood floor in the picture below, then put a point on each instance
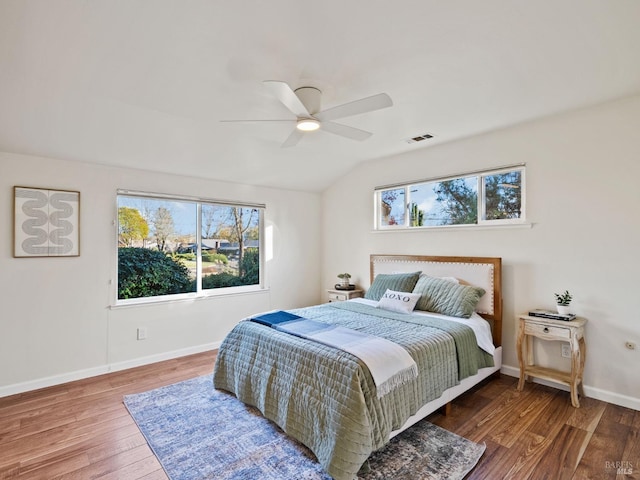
(81, 430)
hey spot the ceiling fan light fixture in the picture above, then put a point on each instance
(304, 103)
(307, 124)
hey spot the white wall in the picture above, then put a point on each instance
(583, 198)
(56, 323)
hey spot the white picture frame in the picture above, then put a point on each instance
(46, 222)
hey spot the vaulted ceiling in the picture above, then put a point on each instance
(146, 83)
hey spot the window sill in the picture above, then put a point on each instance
(526, 225)
(143, 302)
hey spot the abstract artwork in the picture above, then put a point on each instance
(46, 223)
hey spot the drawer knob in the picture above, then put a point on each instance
(546, 329)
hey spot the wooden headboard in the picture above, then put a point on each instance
(485, 272)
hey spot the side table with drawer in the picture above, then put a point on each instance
(343, 295)
(547, 329)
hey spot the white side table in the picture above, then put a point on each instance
(334, 295)
(552, 330)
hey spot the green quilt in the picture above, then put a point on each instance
(324, 397)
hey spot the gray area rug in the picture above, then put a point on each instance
(201, 433)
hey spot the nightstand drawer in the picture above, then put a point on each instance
(547, 331)
(338, 297)
(343, 295)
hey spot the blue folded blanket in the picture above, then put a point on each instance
(274, 318)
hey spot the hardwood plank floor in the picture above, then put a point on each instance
(537, 434)
(81, 430)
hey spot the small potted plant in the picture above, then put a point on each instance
(344, 279)
(563, 300)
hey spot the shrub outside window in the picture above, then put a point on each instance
(481, 198)
(176, 247)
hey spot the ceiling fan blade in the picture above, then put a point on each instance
(345, 131)
(293, 139)
(255, 120)
(369, 104)
(287, 96)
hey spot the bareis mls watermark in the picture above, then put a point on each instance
(621, 468)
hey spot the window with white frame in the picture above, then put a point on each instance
(491, 197)
(170, 247)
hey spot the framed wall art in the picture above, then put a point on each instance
(46, 222)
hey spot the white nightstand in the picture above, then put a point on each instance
(552, 330)
(343, 295)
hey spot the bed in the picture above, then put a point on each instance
(327, 398)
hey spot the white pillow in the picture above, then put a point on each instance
(451, 279)
(401, 302)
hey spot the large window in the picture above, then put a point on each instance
(186, 247)
(479, 198)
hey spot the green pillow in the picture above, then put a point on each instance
(443, 296)
(399, 282)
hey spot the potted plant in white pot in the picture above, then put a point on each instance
(563, 300)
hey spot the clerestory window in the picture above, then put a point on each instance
(492, 197)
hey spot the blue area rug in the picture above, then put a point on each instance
(201, 433)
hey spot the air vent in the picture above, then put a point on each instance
(419, 138)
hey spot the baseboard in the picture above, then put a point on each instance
(138, 362)
(5, 391)
(39, 383)
(16, 388)
(591, 392)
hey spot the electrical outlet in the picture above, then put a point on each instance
(630, 345)
(142, 333)
(566, 350)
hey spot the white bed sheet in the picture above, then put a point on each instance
(479, 325)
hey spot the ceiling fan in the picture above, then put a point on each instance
(304, 103)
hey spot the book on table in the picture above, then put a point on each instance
(552, 315)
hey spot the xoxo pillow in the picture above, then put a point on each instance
(401, 302)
